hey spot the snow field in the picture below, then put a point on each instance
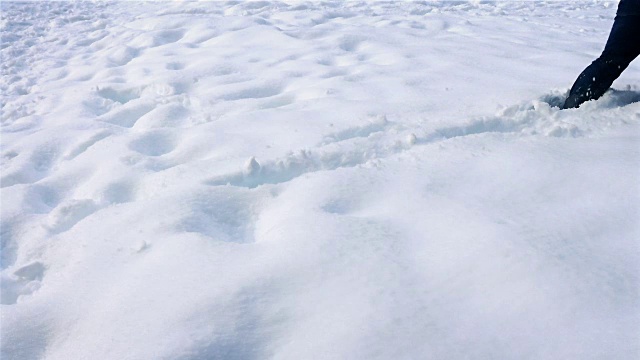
(249, 180)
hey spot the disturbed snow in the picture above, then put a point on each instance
(250, 180)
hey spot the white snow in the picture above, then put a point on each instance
(315, 180)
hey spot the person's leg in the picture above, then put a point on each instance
(622, 47)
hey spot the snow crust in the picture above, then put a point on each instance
(315, 180)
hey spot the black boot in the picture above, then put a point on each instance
(623, 46)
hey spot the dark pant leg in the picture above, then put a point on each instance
(622, 47)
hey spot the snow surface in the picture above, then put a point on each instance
(326, 180)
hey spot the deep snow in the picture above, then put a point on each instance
(326, 180)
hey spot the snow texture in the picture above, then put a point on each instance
(315, 180)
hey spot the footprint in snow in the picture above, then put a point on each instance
(22, 282)
(128, 114)
(66, 215)
(84, 145)
(154, 143)
(29, 170)
(122, 55)
(157, 38)
(221, 215)
(174, 65)
(119, 95)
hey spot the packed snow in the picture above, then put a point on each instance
(315, 180)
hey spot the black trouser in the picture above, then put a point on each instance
(622, 47)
